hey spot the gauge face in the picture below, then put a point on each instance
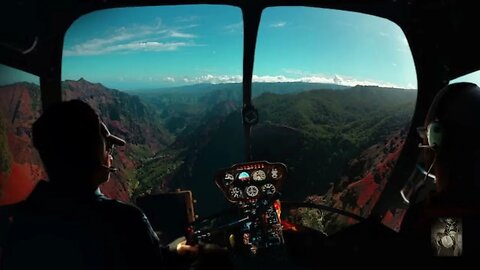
(236, 192)
(251, 191)
(228, 179)
(243, 176)
(274, 173)
(268, 189)
(259, 175)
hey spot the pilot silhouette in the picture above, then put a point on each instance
(452, 147)
(67, 223)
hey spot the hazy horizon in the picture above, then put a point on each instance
(36, 82)
(152, 47)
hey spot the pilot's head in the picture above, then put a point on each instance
(453, 129)
(74, 145)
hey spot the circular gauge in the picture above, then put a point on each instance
(228, 179)
(274, 173)
(236, 193)
(268, 189)
(251, 191)
(259, 175)
(243, 176)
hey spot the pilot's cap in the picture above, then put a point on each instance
(110, 138)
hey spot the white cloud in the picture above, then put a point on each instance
(219, 79)
(215, 79)
(156, 37)
(169, 79)
(188, 26)
(269, 78)
(181, 35)
(336, 79)
(235, 27)
(150, 46)
(346, 81)
(184, 19)
(315, 79)
(278, 24)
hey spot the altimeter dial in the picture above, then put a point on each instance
(268, 189)
(259, 175)
(251, 191)
(236, 193)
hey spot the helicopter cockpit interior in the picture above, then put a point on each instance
(265, 127)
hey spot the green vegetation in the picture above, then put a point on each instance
(333, 126)
(183, 108)
(153, 172)
(322, 112)
(311, 218)
(315, 133)
(132, 182)
(138, 151)
(179, 137)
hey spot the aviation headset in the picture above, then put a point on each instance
(434, 134)
(434, 131)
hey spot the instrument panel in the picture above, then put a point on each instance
(247, 182)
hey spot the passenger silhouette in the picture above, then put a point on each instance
(67, 223)
(452, 149)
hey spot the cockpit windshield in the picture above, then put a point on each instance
(335, 92)
(168, 79)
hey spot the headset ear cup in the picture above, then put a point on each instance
(435, 134)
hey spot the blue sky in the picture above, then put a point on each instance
(323, 45)
(153, 47)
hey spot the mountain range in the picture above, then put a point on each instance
(125, 116)
(315, 132)
(20, 164)
(332, 138)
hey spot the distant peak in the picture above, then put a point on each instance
(337, 79)
(82, 80)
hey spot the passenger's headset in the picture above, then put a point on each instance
(434, 135)
(434, 132)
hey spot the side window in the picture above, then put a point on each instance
(168, 79)
(20, 106)
(473, 77)
(335, 91)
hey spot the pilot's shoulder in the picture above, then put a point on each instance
(121, 208)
